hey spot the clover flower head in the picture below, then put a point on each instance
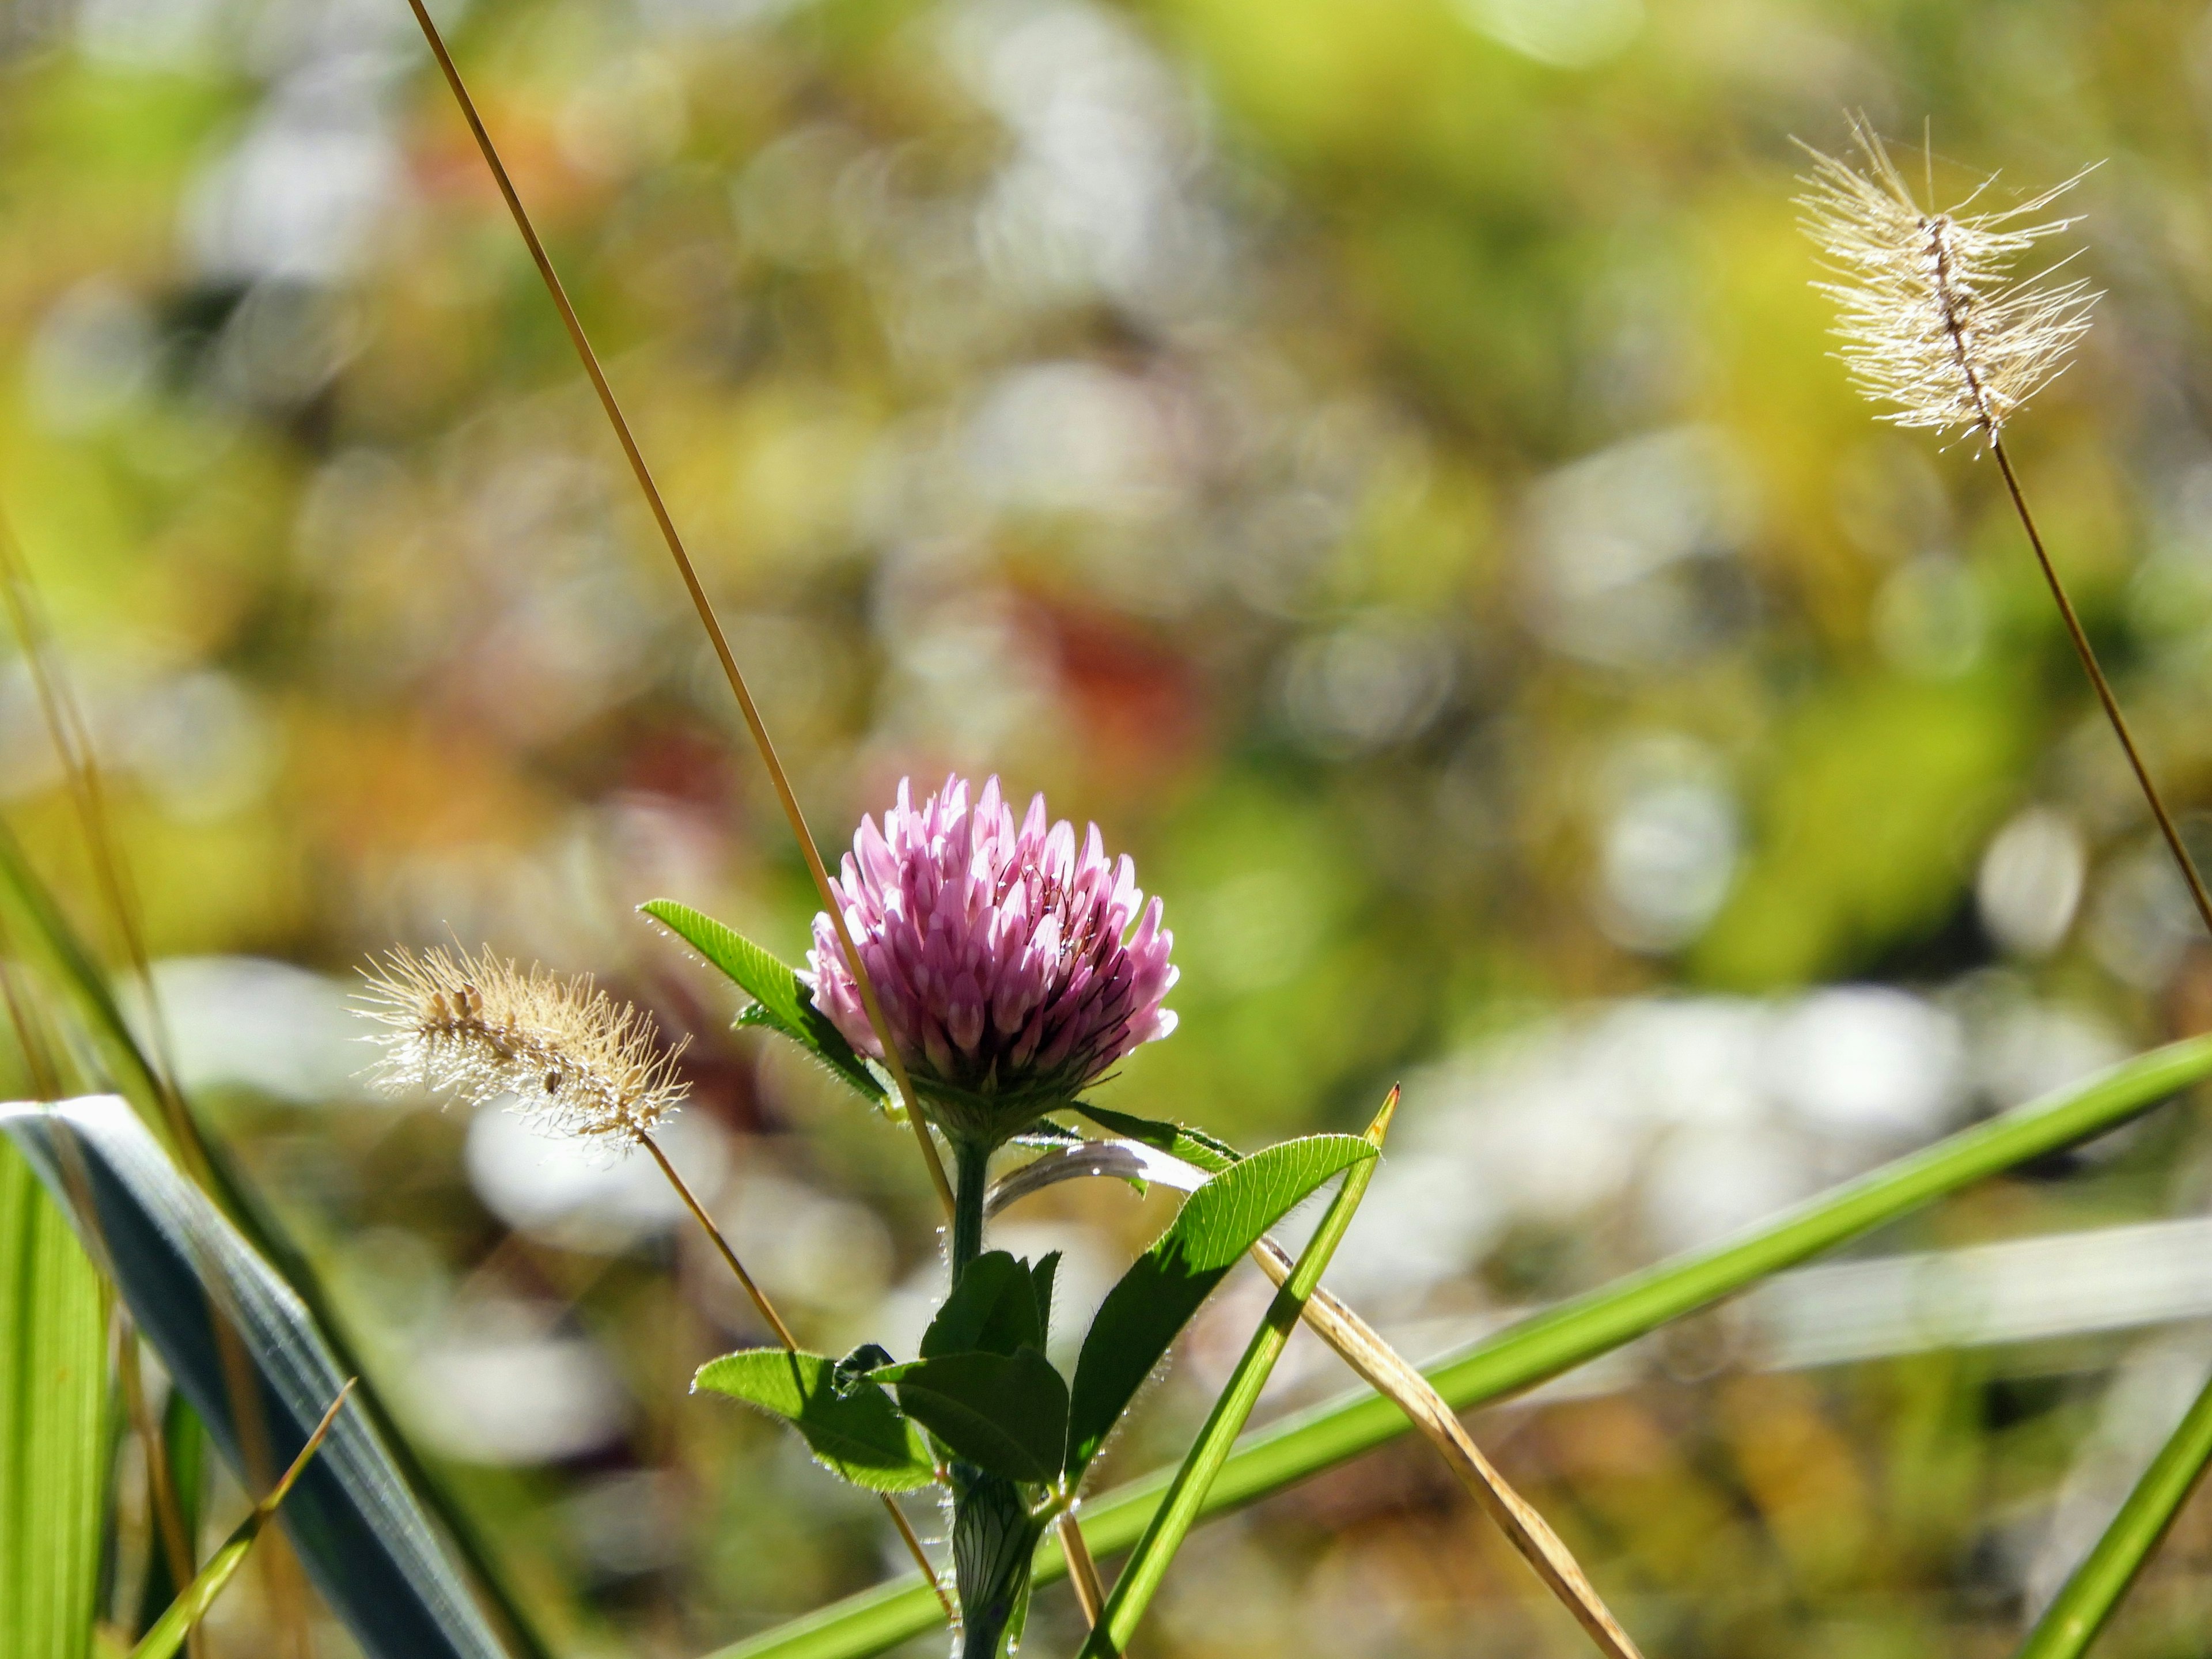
(1014, 968)
(479, 1028)
(1930, 318)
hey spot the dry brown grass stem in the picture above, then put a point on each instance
(2103, 687)
(761, 1304)
(1082, 1569)
(700, 601)
(1383, 1369)
(169, 1534)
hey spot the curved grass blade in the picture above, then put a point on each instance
(54, 1410)
(1179, 1510)
(175, 1260)
(2089, 1597)
(169, 1630)
(1543, 1347)
(71, 967)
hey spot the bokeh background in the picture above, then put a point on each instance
(1381, 463)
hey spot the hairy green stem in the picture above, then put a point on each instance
(971, 1163)
(994, 1538)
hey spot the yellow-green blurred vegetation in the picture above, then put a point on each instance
(1383, 462)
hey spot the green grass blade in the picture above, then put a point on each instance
(168, 1632)
(2079, 1611)
(366, 1544)
(1179, 1510)
(1543, 1347)
(70, 965)
(53, 1411)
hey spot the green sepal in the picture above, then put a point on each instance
(1147, 1309)
(1006, 1413)
(781, 1002)
(849, 1422)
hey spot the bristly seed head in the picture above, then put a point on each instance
(1930, 321)
(478, 1028)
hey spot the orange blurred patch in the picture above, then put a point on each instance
(1137, 702)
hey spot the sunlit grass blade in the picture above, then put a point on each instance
(70, 967)
(2079, 1611)
(54, 1410)
(1179, 1510)
(168, 1632)
(1550, 1343)
(174, 1259)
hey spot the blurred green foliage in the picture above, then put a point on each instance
(1381, 462)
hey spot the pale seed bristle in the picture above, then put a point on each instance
(1931, 321)
(478, 1028)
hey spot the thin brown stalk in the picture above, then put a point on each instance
(2102, 686)
(774, 1320)
(169, 1533)
(699, 602)
(1389, 1374)
(1082, 1569)
(766, 1308)
(1934, 322)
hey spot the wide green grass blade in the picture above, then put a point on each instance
(70, 966)
(54, 1424)
(1178, 1511)
(1543, 1347)
(175, 1260)
(2079, 1611)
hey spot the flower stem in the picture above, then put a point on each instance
(2103, 687)
(993, 1538)
(699, 602)
(971, 1161)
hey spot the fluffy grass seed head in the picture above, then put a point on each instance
(1931, 321)
(477, 1029)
